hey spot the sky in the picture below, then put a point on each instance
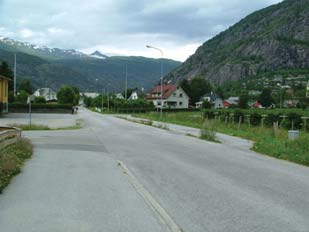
(123, 27)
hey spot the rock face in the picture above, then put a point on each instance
(273, 38)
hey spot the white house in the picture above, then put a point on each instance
(47, 93)
(213, 98)
(134, 95)
(173, 97)
(119, 96)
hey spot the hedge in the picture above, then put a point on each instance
(292, 117)
(40, 108)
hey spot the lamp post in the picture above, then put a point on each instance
(161, 52)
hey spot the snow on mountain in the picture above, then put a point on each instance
(98, 55)
(43, 50)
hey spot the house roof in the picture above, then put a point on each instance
(212, 96)
(166, 89)
(5, 78)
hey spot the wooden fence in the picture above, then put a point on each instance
(8, 136)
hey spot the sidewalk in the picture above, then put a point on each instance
(236, 142)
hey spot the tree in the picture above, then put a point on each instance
(243, 101)
(25, 85)
(76, 94)
(265, 98)
(185, 85)
(66, 95)
(22, 97)
(198, 87)
(207, 104)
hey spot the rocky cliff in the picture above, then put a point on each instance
(273, 38)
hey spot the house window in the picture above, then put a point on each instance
(174, 94)
(180, 95)
(180, 103)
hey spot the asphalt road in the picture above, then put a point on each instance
(73, 183)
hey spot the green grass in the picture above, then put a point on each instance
(11, 160)
(265, 140)
(37, 127)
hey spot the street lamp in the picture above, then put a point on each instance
(158, 49)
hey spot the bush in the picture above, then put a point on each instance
(11, 160)
(39, 100)
(66, 95)
(208, 131)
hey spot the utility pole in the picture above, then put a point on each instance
(15, 74)
(161, 78)
(102, 101)
(126, 86)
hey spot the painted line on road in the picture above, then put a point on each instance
(164, 217)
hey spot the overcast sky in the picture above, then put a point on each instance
(123, 26)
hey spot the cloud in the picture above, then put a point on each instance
(123, 26)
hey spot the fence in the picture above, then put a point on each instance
(8, 136)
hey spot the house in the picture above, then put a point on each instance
(256, 105)
(173, 97)
(231, 101)
(119, 96)
(47, 93)
(134, 95)
(213, 98)
(4, 94)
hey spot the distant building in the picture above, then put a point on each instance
(4, 94)
(173, 97)
(89, 94)
(213, 98)
(119, 96)
(47, 93)
(231, 101)
(134, 95)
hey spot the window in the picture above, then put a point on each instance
(174, 94)
(180, 103)
(180, 95)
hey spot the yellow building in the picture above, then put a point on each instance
(4, 93)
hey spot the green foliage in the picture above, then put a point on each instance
(11, 96)
(22, 96)
(12, 159)
(39, 100)
(265, 98)
(196, 88)
(66, 95)
(243, 101)
(25, 85)
(208, 131)
(207, 104)
(76, 94)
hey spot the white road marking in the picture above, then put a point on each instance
(164, 217)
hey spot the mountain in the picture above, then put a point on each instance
(98, 55)
(270, 41)
(55, 67)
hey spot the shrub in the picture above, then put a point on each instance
(39, 100)
(208, 131)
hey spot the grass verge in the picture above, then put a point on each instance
(265, 140)
(37, 127)
(11, 160)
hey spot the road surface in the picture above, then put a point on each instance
(73, 183)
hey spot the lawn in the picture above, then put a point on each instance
(266, 141)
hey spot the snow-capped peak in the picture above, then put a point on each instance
(98, 55)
